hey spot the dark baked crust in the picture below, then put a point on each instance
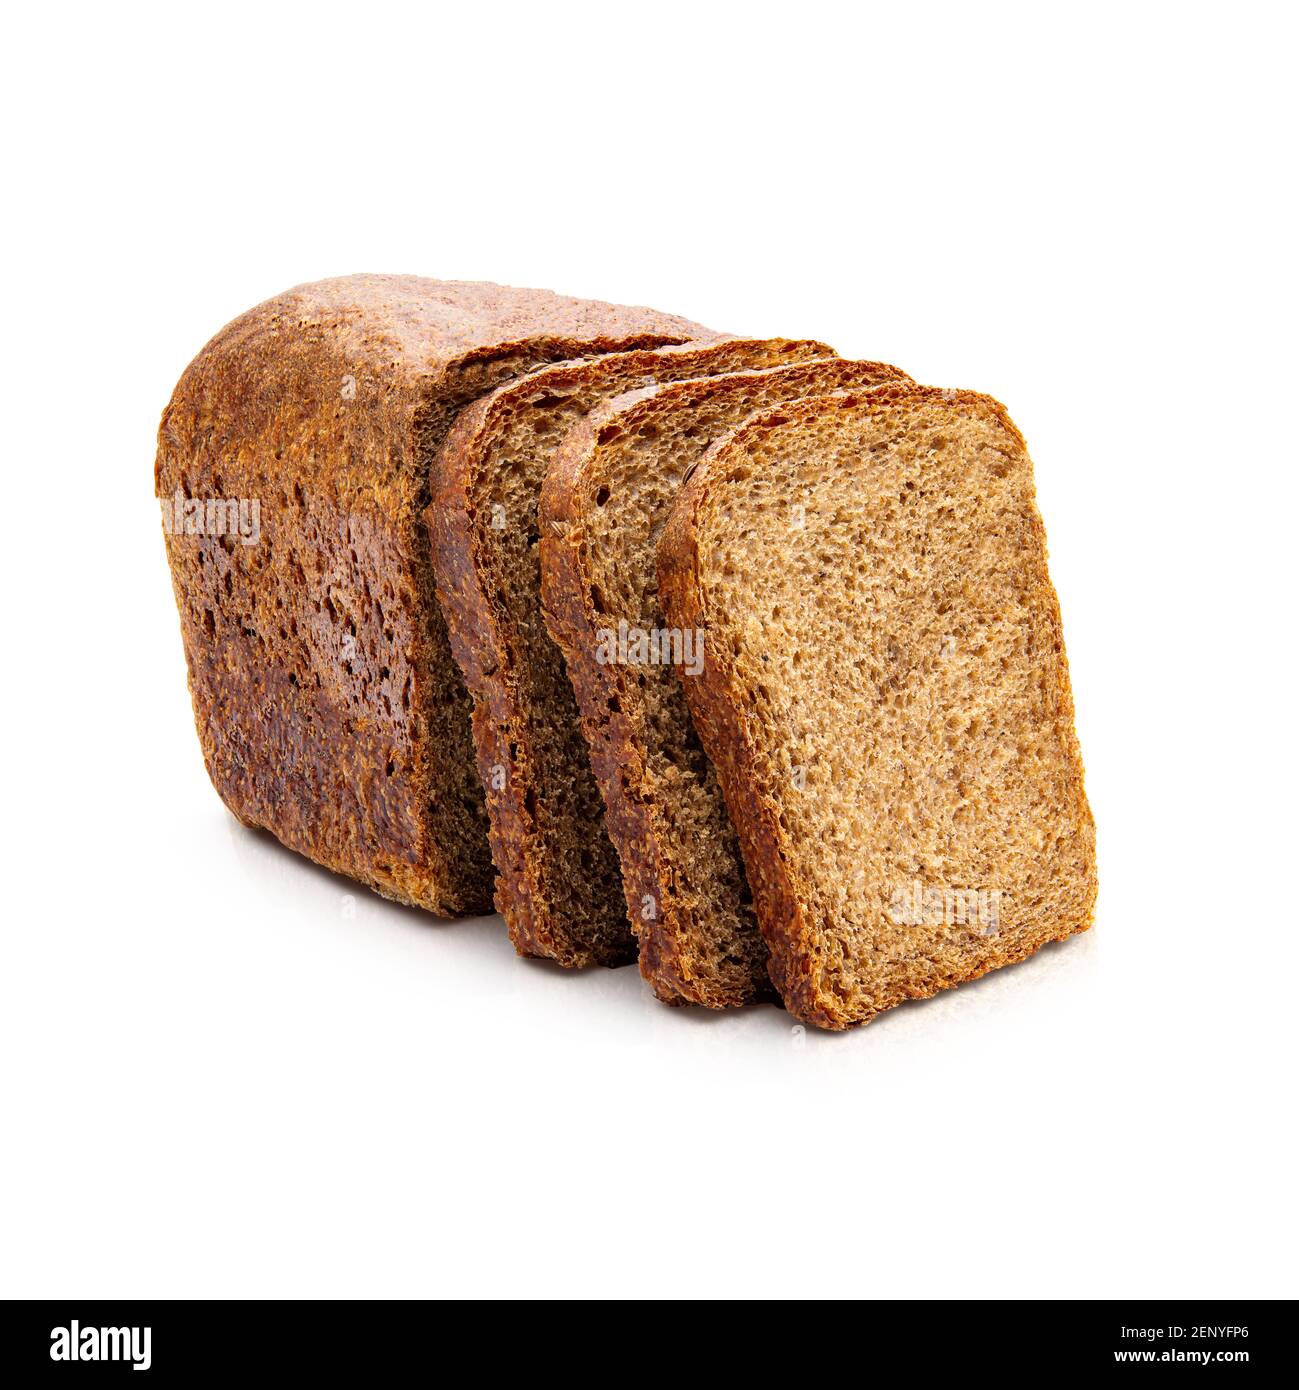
(328, 707)
(721, 715)
(669, 943)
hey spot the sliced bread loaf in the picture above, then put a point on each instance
(293, 468)
(885, 693)
(603, 508)
(558, 887)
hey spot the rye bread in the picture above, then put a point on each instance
(603, 507)
(885, 694)
(328, 706)
(559, 888)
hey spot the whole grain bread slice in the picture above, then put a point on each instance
(604, 504)
(885, 693)
(558, 886)
(329, 708)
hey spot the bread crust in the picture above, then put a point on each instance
(480, 637)
(328, 708)
(613, 736)
(720, 715)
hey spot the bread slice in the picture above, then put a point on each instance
(885, 693)
(603, 508)
(328, 706)
(558, 885)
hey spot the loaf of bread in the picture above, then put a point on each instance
(754, 650)
(293, 467)
(885, 694)
(559, 887)
(603, 508)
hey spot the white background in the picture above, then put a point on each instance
(215, 1081)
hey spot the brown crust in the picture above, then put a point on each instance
(612, 736)
(479, 632)
(473, 627)
(719, 714)
(331, 746)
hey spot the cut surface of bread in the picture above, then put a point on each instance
(329, 708)
(885, 693)
(558, 884)
(603, 508)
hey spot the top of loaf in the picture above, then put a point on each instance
(328, 377)
(421, 325)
